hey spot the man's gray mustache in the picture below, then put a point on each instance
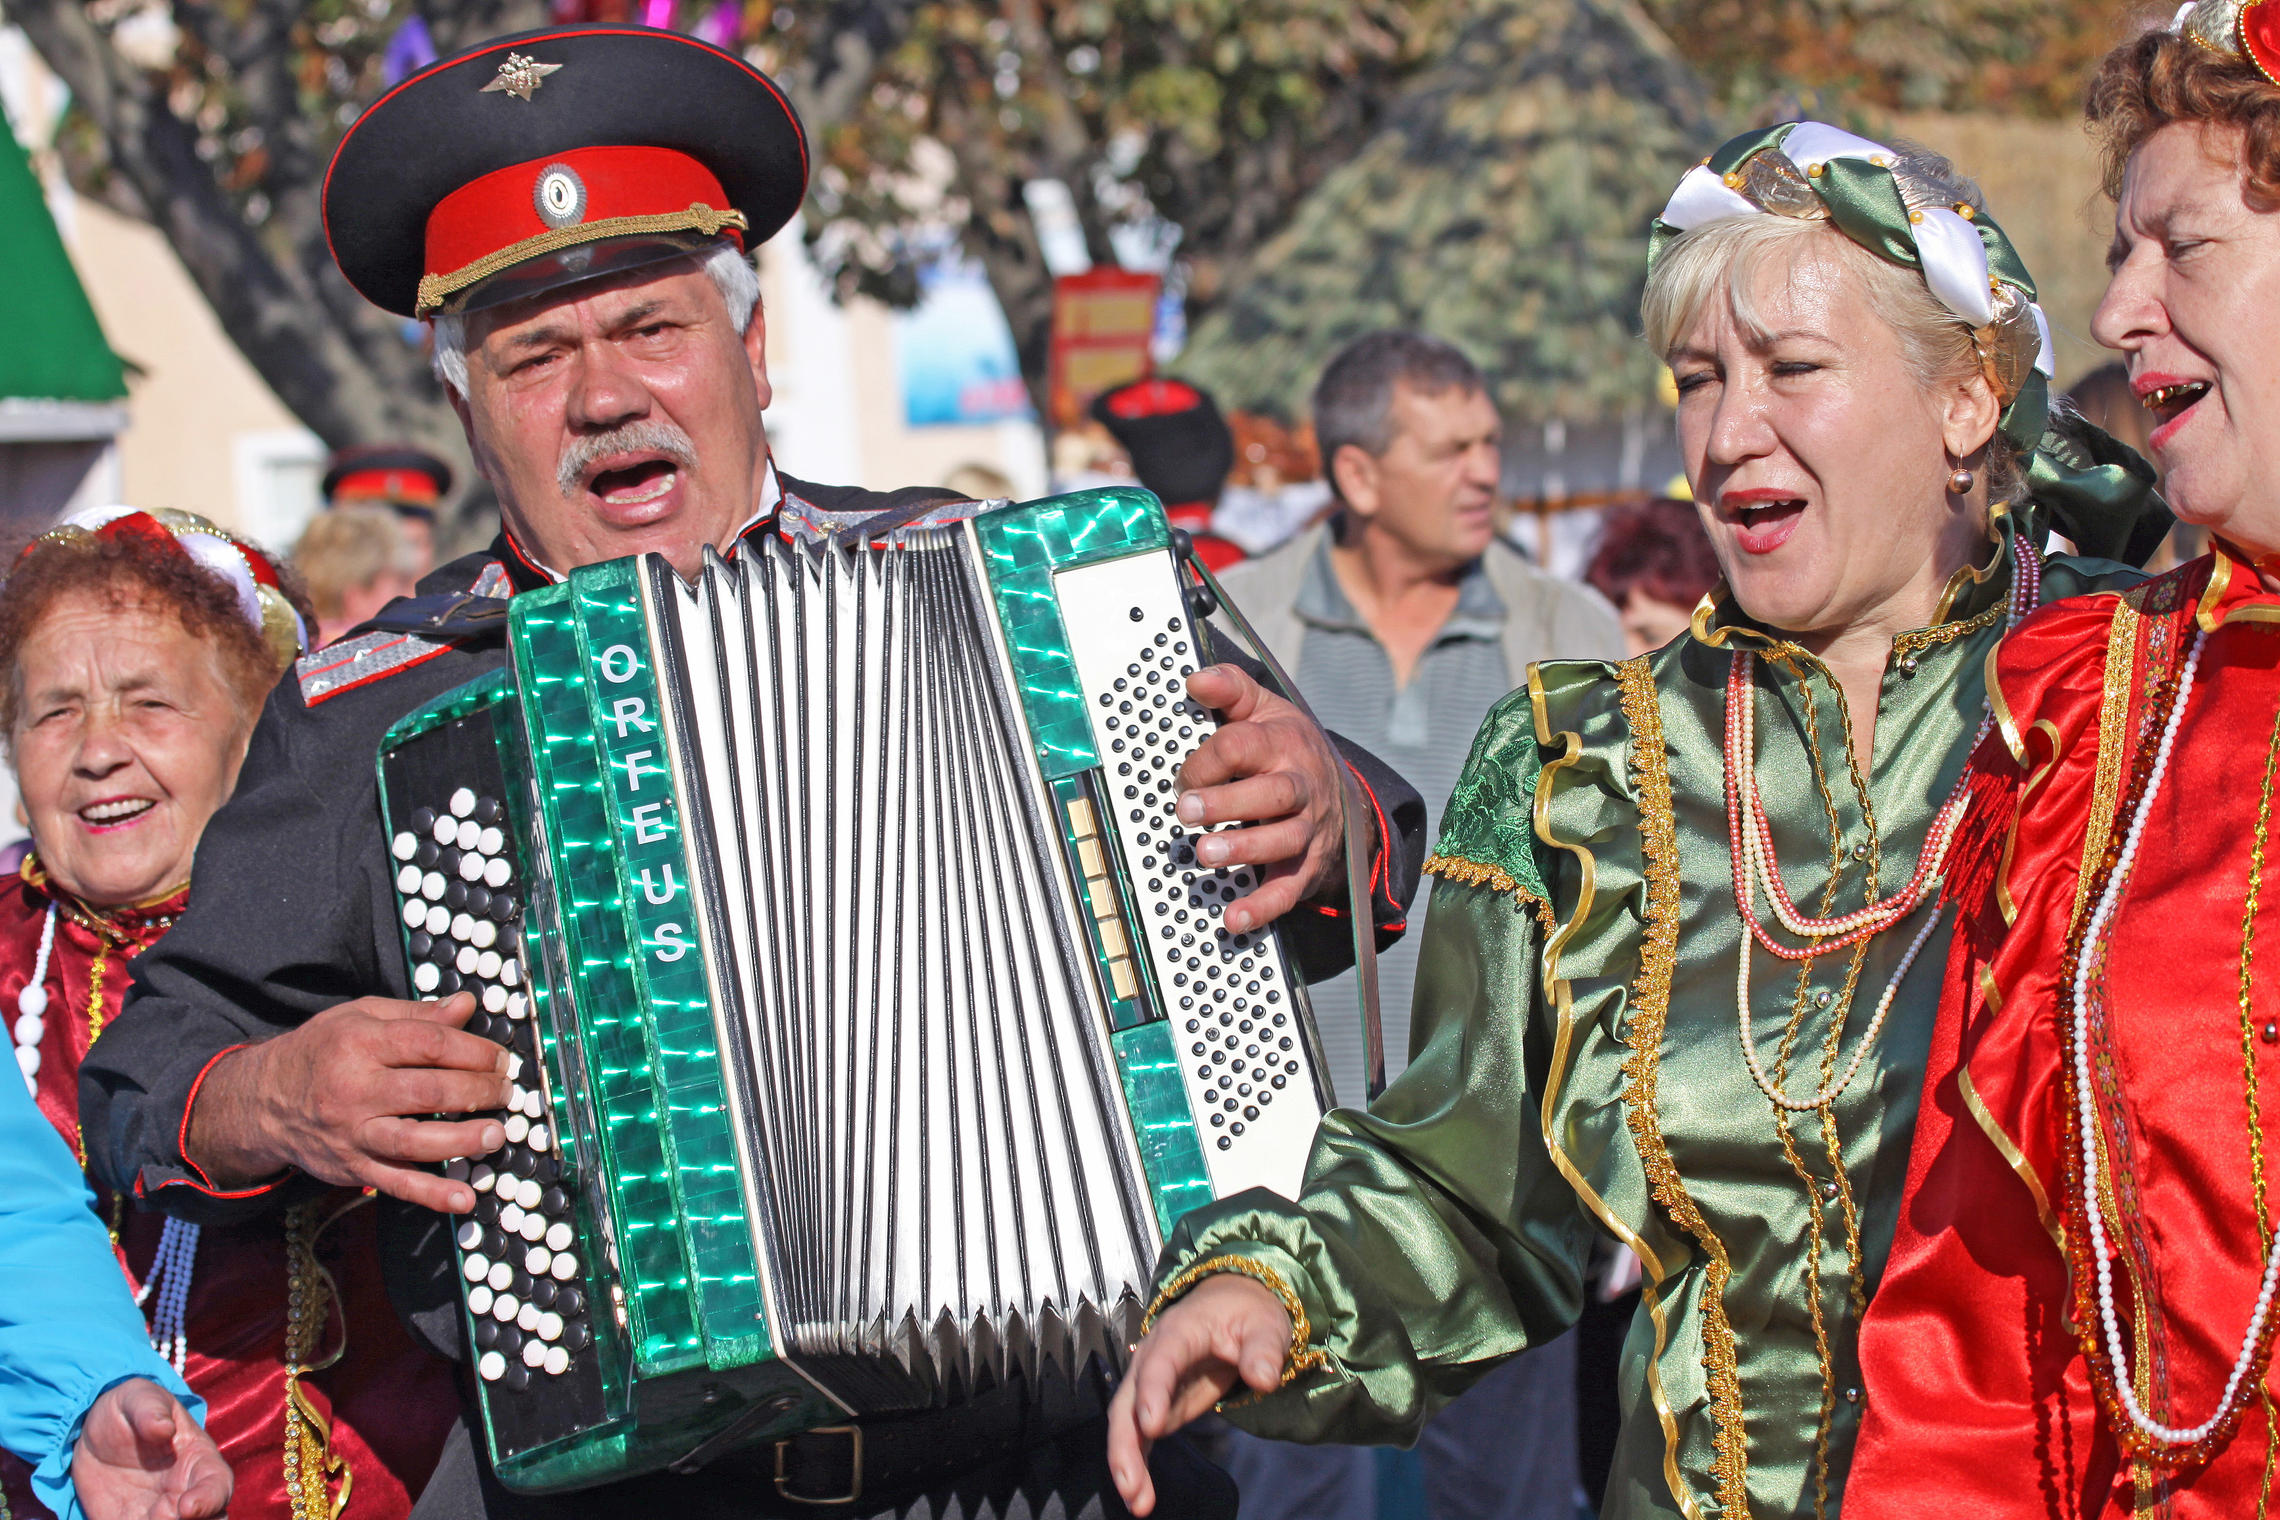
(633, 438)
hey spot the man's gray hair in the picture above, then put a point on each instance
(732, 274)
(1353, 401)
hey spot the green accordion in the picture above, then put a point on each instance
(872, 1018)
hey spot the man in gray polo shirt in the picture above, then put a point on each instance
(1403, 621)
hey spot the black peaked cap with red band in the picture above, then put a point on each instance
(1181, 447)
(533, 147)
(391, 472)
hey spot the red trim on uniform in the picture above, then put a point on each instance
(327, 696)
(415, 487)
(325, 190)
(1385, 836)
(500, 209)
(202, 1182)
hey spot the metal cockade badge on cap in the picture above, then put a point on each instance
(560, 196)
(520, 76)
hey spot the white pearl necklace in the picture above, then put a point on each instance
(171, 1268)
(31, 1009)
(1758, 865)
(1781, 1096)
(2086, 1118)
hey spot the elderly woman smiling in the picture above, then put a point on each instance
(1666, 988)
(137, 649)
(2080, 1315)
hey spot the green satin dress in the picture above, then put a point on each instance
(1577, 1068)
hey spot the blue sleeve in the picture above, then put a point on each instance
(68, 1328)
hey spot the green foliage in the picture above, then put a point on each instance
(1213, 115)
(1502, 204)
(2024, 57)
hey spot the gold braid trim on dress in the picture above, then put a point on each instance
(1562, 999)
(1650, 1009)
(1301, 1357)
(1473, 873)
(311, 1463)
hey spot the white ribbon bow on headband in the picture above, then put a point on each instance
(1953, 257)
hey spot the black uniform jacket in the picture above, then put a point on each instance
(291, 908)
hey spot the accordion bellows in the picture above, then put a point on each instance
(874, 1019)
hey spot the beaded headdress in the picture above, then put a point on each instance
(2245, 29)
(242, 565)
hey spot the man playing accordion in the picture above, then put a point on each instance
(573, 211)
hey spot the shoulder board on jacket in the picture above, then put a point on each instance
(408, 631)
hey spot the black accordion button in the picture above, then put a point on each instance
(489, 810)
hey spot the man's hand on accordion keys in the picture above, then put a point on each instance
(343, 1098)
(1269, 769)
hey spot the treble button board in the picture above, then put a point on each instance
(1243, 1054)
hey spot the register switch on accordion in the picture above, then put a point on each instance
(872, 1019)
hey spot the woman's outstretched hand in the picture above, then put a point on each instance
(1227, 1328)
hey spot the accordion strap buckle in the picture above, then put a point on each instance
(854, 1435)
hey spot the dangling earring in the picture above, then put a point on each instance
(1961, 482)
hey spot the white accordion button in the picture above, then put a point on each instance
(533, 1103)
(533, 1228)
(557, 1360)
(539, 1138)
(483, 934)
(565, 1266)
(408, 880)
(469, 832)
(415, 913)
(490, 841)
(439, 921)
(462, 803)
(465, 960)
(514, 1063)
(510, 972)
(446, 830)
(510, 1217)
(534, 1354)
(491, 1367)
(432, 885)
(404, 846)
(498, 873)
(500, 1277)
(526, 1319)
(482, 1178)
(425, 976)
(505, 1307)
(518, 1129)
(494, 998)
(461, 925)
(517, 1004)
(470, 1235)
(487, 966)
(477, 1266)
(479, 1300)
(537, 1260)
(471, 865)
(550, 1326)
(528, 1192)
(558, 1236)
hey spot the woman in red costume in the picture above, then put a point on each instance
(2079, 1314)
(135, 652)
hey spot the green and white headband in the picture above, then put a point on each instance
(2081, 482)
(1811, 171)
